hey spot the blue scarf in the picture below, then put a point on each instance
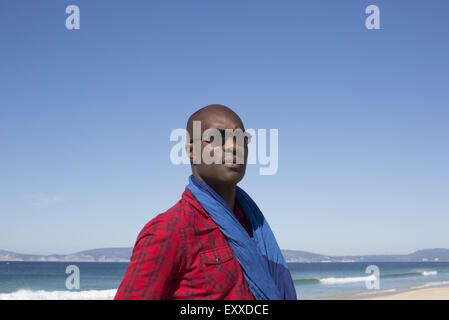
(263, 265)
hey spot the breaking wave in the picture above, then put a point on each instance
(411, 274)
(432, 284)
(25, 294)
(429, 273)
(372, 277)
(347, 280)
(335, 280)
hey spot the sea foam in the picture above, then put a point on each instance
(431, 284)
(347, 280)
(25, 294)
(429, 273)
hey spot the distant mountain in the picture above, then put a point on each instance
(303, 256)
(95, 255)
(123, 255)
(431, 254)
(438, 254)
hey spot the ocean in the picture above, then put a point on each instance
(100, 280)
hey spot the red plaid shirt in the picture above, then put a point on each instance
(181, 254)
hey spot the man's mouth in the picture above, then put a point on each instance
(233, 165)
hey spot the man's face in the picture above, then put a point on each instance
(229, 171)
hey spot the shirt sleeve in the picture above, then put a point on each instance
(155, 261)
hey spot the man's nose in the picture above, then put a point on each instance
(230, 144)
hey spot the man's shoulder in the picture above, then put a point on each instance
(178, 217)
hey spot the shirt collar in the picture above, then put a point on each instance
(190, 198)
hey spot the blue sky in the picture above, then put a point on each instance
(86, 115)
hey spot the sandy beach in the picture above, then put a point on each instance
(440, 293)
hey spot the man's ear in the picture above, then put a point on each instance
(189, 150)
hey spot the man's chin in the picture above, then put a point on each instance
(222, 174)
(232, 173)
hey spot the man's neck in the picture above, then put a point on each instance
(227, 192)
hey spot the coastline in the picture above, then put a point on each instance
(432, 293)
(435, 293)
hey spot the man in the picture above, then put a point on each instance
(214, 243)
